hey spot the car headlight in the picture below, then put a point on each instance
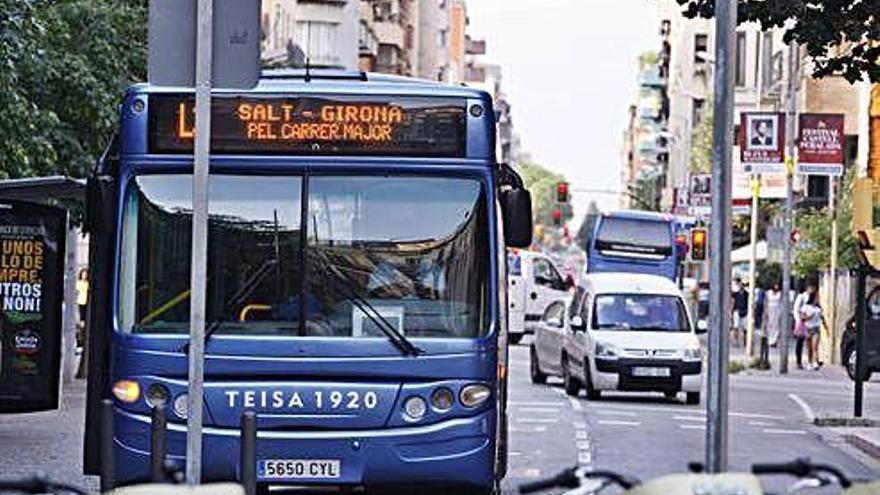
(605, 350)
(693, 353)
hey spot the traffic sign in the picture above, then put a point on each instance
(171, 60)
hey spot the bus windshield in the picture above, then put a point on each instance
(414, 249)
(634, 236)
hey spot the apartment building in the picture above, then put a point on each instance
(388, 37)
(324, 32)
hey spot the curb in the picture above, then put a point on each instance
(866, 446)
(839, 422)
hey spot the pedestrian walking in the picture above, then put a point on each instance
(812, 313)
(773, 314)
(82, 303)
(740, 310)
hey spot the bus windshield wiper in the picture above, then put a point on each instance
(241, 295)
(396, 337)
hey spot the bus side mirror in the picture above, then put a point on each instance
(516, 210)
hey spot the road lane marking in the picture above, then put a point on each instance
(692, 427)
(701, 419)
(532, 473)
(536, 429)
(761, 423)
(758, 416)
(514, 454)
(549, 410)
(536, 420)
(610, 412)
(585, 457)
(580, 435)
(575, 404)
(579, 425)
(674, 409)
(776, 431)
(610, 422)
(808, 411)
(554, 403)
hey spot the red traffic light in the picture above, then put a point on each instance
(557, 216)
(562, 192)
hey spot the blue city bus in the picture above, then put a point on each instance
(356, 282)
(634, 241)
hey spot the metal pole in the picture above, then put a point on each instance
(860, 340)
(70, 306)
(108, 459)
(249, 452)
(832, 301)
(158, 443)
(198, 272)
(753, 251)
(791, 90)
(719, 239)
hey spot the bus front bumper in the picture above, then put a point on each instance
(450, 453)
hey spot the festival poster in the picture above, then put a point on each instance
(31, 290)
(820, 144)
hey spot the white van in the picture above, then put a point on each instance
(533, 283)
(621, 331)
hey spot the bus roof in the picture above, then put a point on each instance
(639, 215)
(334, 81)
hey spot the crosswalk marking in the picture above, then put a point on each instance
(549, 410)
(778, 431)
(610, 422)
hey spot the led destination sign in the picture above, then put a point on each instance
(313, 125)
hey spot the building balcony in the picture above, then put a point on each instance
(390, 33)
(651, 77)
(475, 47)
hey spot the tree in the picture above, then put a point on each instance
(814, 248)
(65, 67)
(840, 36)
(701, 144)
(542, 184)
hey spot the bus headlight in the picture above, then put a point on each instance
(157, 395)
(474, 395)
(442, 399)
(180, 405)
(127, 391)
(415, 408)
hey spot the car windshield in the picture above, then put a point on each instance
(632, 235)
(414, 248)
(640, 312)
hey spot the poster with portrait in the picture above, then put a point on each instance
(762, 142)
(700, 194)
(31, 291)
(821, 144)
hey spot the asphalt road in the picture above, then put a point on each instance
(640, 435)
(645, 435)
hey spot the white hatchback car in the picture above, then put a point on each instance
(620, 331)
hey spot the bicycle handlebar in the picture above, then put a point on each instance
(801, 468)
(37, 485)
(571, 478)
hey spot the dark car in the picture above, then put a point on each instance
(872, 339)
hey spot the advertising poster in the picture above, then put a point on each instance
(700, 194)
(31, 290)
(762, 142)
(820, 144)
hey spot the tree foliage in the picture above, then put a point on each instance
(840, 36)
(542, 184)
(813, 252)
(65, 65)
(701, 143)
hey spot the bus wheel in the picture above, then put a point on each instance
(534, 369)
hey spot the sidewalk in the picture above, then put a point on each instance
(828, 371)
(48, 443)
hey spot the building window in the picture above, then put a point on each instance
(697, 110)
(767, 61)
(319, 40)
(441, 38)
(740, 73)
(701, 48)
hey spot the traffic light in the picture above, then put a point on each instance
(562, 192)
(698, 244)
(557, 216)
(681, 246)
